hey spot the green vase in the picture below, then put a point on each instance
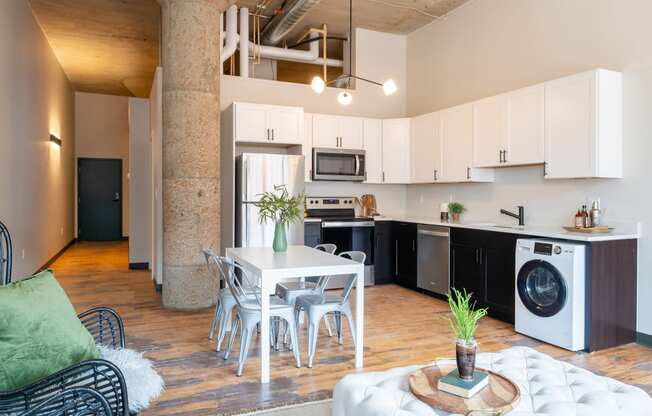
(280, 240)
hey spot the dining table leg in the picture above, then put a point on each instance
(359, 317)
(264, 329)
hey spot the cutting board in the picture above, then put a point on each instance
(593, 230)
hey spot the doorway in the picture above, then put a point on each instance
(99, 202)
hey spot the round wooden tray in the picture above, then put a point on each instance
(500, 396)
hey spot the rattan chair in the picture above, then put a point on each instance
(86, 388)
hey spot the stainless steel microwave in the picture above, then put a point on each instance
(338, 165)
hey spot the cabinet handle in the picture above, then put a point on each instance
(500, 156)
(383, 176)
(396, 257)
(545, 168)
(480, 255)
(267, 131)
(435, 174)
(272, 134)
(414, 245)
(476, 256)
(468, 173)
(504, 156)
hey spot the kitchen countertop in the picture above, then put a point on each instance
(619, 232)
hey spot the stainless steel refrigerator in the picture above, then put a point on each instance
(257, 173)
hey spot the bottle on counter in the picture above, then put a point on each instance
(586, 218)
(579, 220)
(595, 214)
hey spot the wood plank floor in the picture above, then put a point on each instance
(401, 328)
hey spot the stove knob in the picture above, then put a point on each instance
(557, 250)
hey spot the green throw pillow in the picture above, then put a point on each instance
(40, 333)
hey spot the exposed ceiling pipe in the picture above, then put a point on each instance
(231, 37)
(280, 25)
(244, 42)
(311, 56)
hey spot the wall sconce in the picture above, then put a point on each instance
(54, 139)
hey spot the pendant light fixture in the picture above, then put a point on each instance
(345, 97)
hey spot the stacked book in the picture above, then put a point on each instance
(453, 384)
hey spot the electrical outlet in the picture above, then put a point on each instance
(22, 254)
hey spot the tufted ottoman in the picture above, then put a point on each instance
(548, 387)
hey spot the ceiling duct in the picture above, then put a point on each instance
(280, 25)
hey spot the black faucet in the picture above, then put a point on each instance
(520, 216)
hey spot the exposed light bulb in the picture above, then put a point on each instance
(389, 87)
(318, 85)
(344, 98)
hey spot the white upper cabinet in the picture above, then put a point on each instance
(373, 146)
(307, 146)
(259, 123)
(584, 126)
(508, 129)
(337, 132)
(457, 147)
(489, 131)
(396, 150)
(426, 149)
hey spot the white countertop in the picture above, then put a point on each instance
(619, 233)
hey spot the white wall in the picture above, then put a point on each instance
(102, 131)
(488, 47)
(140, 182)
(36, 176)
(378, 56)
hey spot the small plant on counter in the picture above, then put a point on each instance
(464, 323)
(456, 209)
(281, 208)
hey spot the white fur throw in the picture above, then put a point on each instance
(143, 382)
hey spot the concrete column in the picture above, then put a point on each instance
(191, 149)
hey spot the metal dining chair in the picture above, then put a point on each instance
(249, 313)
(317, 306)
(225, 300)
(311, 285)
(5, 255)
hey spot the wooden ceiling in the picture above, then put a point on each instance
(112, 46)
(103, 46)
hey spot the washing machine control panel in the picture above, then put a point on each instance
(543, 248)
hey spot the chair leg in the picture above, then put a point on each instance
(224, 322)
(338, 327)
(245, 342)
(313, 332)
(349, 317)
(216, 319)
(294, 338)
(234, 329)
(328, 325)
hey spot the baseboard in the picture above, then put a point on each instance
(644, 339)
(157, 286)
(139, 266)
(56, 256)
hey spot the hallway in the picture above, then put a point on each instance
(199, 382)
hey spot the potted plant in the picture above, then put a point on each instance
(281, 208)
(456, 209)
(464, 323)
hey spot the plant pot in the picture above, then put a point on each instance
(456, 217)
(280, 240)
(465, 353)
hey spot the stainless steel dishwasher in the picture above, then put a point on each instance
(433, 257)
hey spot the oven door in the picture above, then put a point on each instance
(350, 236)
(338, 165)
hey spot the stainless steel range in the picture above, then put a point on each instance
(340, 226)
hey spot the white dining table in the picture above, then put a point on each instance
(297, 262)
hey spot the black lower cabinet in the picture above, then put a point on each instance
(383, 253)
(311, 233)
(483, 263)
(405, 254)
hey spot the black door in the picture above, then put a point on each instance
(384, 253)
(405, 247)
(466, 270)
(99, 206)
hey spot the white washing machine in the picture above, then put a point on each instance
(550, 292)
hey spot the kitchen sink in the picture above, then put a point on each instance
(512, 227)
(491, 224)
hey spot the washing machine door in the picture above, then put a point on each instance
(541, 287)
